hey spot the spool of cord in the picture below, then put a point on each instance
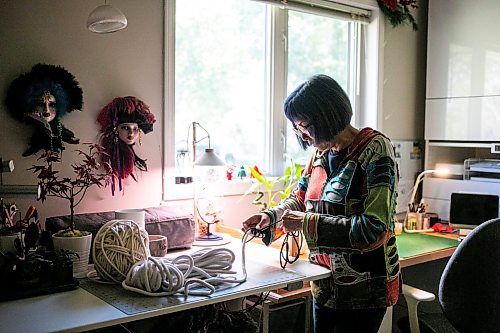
(118, 245)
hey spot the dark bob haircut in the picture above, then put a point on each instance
(321, 102)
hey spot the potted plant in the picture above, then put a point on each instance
(87, 173)
(290, 179)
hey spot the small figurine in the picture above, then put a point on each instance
(229, 171)
(256, 169)
(242, 173)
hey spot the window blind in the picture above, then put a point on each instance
(323, 7)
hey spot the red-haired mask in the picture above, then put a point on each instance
(122, 122)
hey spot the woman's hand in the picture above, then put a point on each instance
(292, 220)
(257, 221)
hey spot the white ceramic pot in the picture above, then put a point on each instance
(136, 215)
(79, 245)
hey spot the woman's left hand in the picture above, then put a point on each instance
(292, 220)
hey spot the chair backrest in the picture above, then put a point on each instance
(469, 289)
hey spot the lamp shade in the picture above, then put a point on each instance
(105, 19)
(209, 158)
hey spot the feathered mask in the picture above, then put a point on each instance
(120, 153)
(27, 92)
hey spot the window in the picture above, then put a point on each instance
(235, 61)
(220, 59)
(317, 44)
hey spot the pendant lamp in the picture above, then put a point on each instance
(106, 19)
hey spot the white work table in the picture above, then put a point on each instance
(80, 310)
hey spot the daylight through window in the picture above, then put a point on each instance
(235, 61)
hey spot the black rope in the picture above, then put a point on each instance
(285, 248)
(296, 238)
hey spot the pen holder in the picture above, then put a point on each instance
(415, 221)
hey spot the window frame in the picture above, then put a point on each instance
(366, 103)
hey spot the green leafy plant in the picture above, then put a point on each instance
(87, 173)
(290, 179)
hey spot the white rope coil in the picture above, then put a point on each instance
(203, 270)
(121, 255)
(118, 245)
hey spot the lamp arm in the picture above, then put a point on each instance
(415, 188)
(194, 124)
(417, 182)
(203, 128)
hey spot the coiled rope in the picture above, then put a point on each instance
(118, 245)
(120, 255)
(206, 268)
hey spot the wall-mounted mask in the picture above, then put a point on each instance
(41, 98)
(122, 122)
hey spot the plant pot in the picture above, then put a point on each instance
(7, 243)
(158, 245)
(78, 245)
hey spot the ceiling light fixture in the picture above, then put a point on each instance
(106, 19)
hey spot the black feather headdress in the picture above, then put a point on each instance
(25, 92)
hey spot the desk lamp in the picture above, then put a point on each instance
(209, 170)
(419, 179)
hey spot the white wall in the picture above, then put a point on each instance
(129, 62)
(403, 78)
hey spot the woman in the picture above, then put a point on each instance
(344, 204)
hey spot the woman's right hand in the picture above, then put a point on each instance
(257, 221)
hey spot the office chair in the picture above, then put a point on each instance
(469, 289)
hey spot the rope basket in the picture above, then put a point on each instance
(118, 245)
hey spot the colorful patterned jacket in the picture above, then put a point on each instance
(349, 223)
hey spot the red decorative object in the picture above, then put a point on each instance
(398, 11)
(256, 168)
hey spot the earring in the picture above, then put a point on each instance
(140, 139)
(115, 132)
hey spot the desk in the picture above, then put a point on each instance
(417, 248)
(79, 310)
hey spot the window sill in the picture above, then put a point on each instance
(234, 187)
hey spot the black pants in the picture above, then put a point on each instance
(327, 320)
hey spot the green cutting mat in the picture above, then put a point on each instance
(410, 245)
